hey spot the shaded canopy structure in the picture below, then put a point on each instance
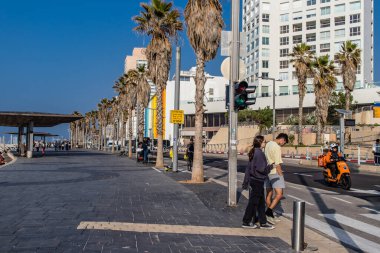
(33, 119)
(17, 119)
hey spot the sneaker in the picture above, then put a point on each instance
(266, 226)
(271, 220)
(249, 225)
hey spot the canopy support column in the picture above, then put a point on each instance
(30, 140)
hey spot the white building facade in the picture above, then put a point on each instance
(214, 101)
(273, 28)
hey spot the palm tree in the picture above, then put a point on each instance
(204, 26)
(103, 108)
(301, 58)
(159, 21)
(349, 58)
(74, 130)
(143, 94)
(324, 81)
(114, 104)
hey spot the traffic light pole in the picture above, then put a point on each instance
(176, 107)
(232, 140)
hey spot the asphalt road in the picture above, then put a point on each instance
(364, 186)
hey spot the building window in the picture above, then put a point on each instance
(284, 76)
(265, 64)
(338, 46)
(284, 64)
(355, 6)
(297, 27)
(284, 29)
(265, 17)
(325, 1)
(313, 48)
(265, 28)
(294, 75)
(325, 47)
(311, 13)
(326, 10)
(265, 40)
(340, 8)
(295, 89)
(297, 39)
(265, 52)
(211, 92)
(284, 90)
(325, 23)
(284, 6)
(340, 21)
(284, 41)
(264, 75)
(340, 33)
(357, 42)
(185, 78)
(297, 4)
(309, 88)
(355, 18)
(284, 17)
(325, 35)
(264, 91)
(284, 52)
(311, 25)
(310, 37)
(355, 31)
(297, 15)
(311, 2)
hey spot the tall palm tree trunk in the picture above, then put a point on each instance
(319, 131)
(141, 122)
(348, 102)
(130, 130)
(200, 80)
(113, 138)
(300, 118)
(160, 148)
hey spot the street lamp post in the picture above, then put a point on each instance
(274, 102)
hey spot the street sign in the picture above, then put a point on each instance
(177, 117)
(349, 122)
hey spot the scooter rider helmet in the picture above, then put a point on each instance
(333, 145)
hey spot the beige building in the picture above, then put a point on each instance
(137, 58)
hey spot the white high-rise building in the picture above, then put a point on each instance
(273, 28)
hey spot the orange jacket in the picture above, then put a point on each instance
(329, 155)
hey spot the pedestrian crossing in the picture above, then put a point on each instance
(341, 234)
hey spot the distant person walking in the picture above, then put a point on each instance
(275, 178)
(190, 154)
(376, 151)
(145, 150)
(255, 174)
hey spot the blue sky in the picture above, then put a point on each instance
(64, 55)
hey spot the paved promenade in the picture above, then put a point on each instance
(83, 201)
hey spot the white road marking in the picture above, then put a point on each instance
(294, 197)
(370, 209)
(301, 174)
(339, 234)
(374, 216)
(156, 169)
(373, 192)
(358, 225)
(340, 199)
(295, 187)
(343, 236)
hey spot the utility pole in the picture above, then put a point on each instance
(234, 77)
(176, 107)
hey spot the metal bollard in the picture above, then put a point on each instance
(298, 226)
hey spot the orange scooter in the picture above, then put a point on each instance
(342, 172)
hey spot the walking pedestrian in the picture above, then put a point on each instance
(255, 174)
(190, 154)
(376, 151)
(275, 178)
(145, 150)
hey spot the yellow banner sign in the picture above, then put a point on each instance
(177, 117)
(376, 112)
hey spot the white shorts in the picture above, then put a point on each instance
(275, 181)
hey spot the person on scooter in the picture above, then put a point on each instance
(332, 157)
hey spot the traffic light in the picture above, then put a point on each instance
(242, 90)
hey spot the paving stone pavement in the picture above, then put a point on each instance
(43, 200)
